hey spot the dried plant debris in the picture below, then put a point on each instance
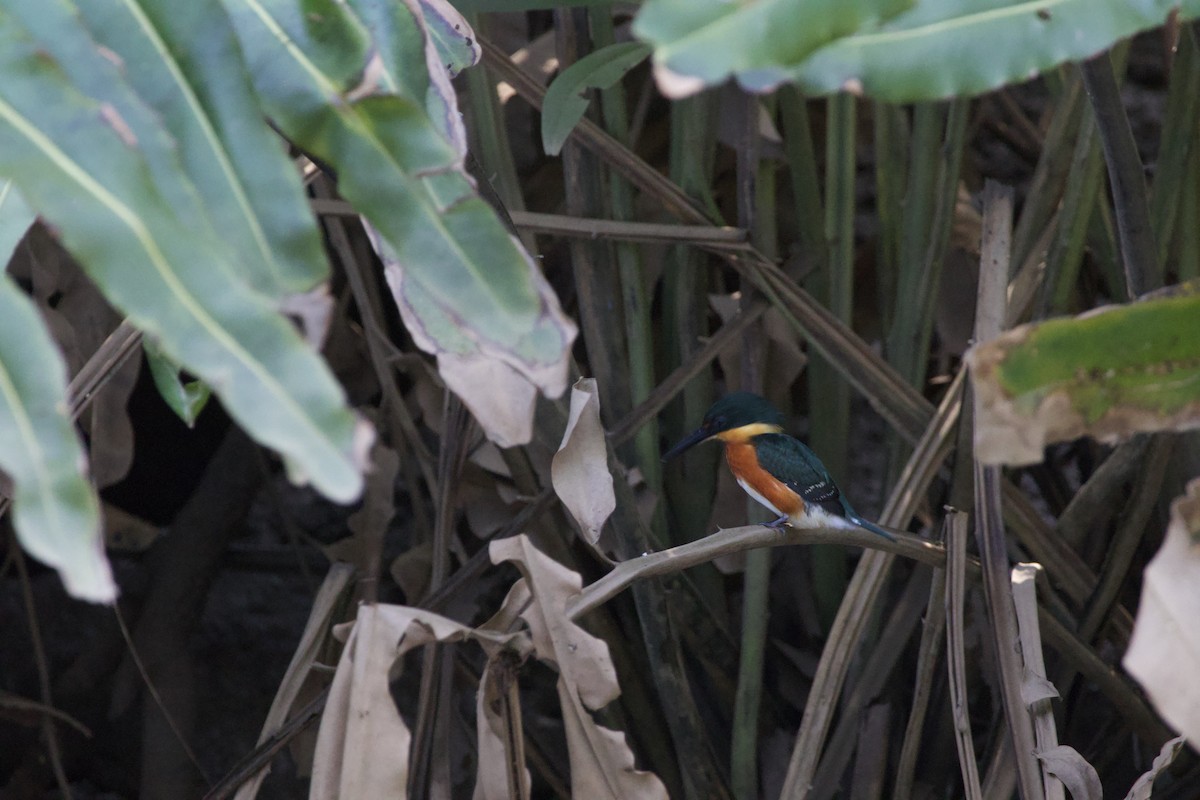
(1110, 373)
(1164, 651)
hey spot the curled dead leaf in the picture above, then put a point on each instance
(579, 470)
(1164, 651)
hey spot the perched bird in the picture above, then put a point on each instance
(775, 469)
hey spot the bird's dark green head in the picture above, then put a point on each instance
(730, 413)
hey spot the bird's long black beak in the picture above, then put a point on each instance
(693, 438)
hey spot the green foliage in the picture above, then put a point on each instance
(186, 398)
(139, 133)
(57, 518)
(886, 49)
(565, 104)
(1109, 373)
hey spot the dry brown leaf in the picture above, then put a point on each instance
(126, 532)
(579, 470)
(1144, 785)
(602, 764)
(1164, 651)
(501, 743)
(498, 396)
(298, 672)
(1080, 778)
(313, 310)
(369, 523)
(411, 570)
(363, 743)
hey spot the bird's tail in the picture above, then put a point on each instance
(870, 526)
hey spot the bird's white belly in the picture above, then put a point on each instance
(762, 500)
(811, 517)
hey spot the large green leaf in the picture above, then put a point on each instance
(700, 43)
(183, 60)
(55, 512)
(351, 84)
(90, 156)
(1109, 373)
(936, 48)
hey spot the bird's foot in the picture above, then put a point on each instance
(777, 524)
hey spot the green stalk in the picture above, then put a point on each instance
(762, 219)
(921, 278)
(1075, 214)
(691, 481)
(639, 336)
(1050, 175)
(829, 394)
(488, 135)
(1188, 260)
(1171, 177)
(919, 203)
(1139, 253)
(595, 280)
(891, 172)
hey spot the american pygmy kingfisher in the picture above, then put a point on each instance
(777, 470)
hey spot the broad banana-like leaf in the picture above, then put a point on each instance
(181, 57)
(55, 512)
(93, 159)
(896, 50)
(360, 87)
(1109, 373)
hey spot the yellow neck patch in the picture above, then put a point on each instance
(748, 432)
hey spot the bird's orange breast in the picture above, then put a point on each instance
(743, 463)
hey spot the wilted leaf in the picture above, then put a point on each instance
(565, 103)
(601, 762)
(579, 470)
(502, 772)
(1080, 778)
(378, 508)
(69, 124)
(1164, 650)
(499, 734)
(1110, 373)
(1144, 785)
(363, 744)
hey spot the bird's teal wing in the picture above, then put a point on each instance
(792, 462)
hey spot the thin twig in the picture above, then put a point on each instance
(43, 671)
(956, 660)
(1024, 591)
(928, 657)
(989, 519)
(257, 759)
(158, 701)
(736, 540)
